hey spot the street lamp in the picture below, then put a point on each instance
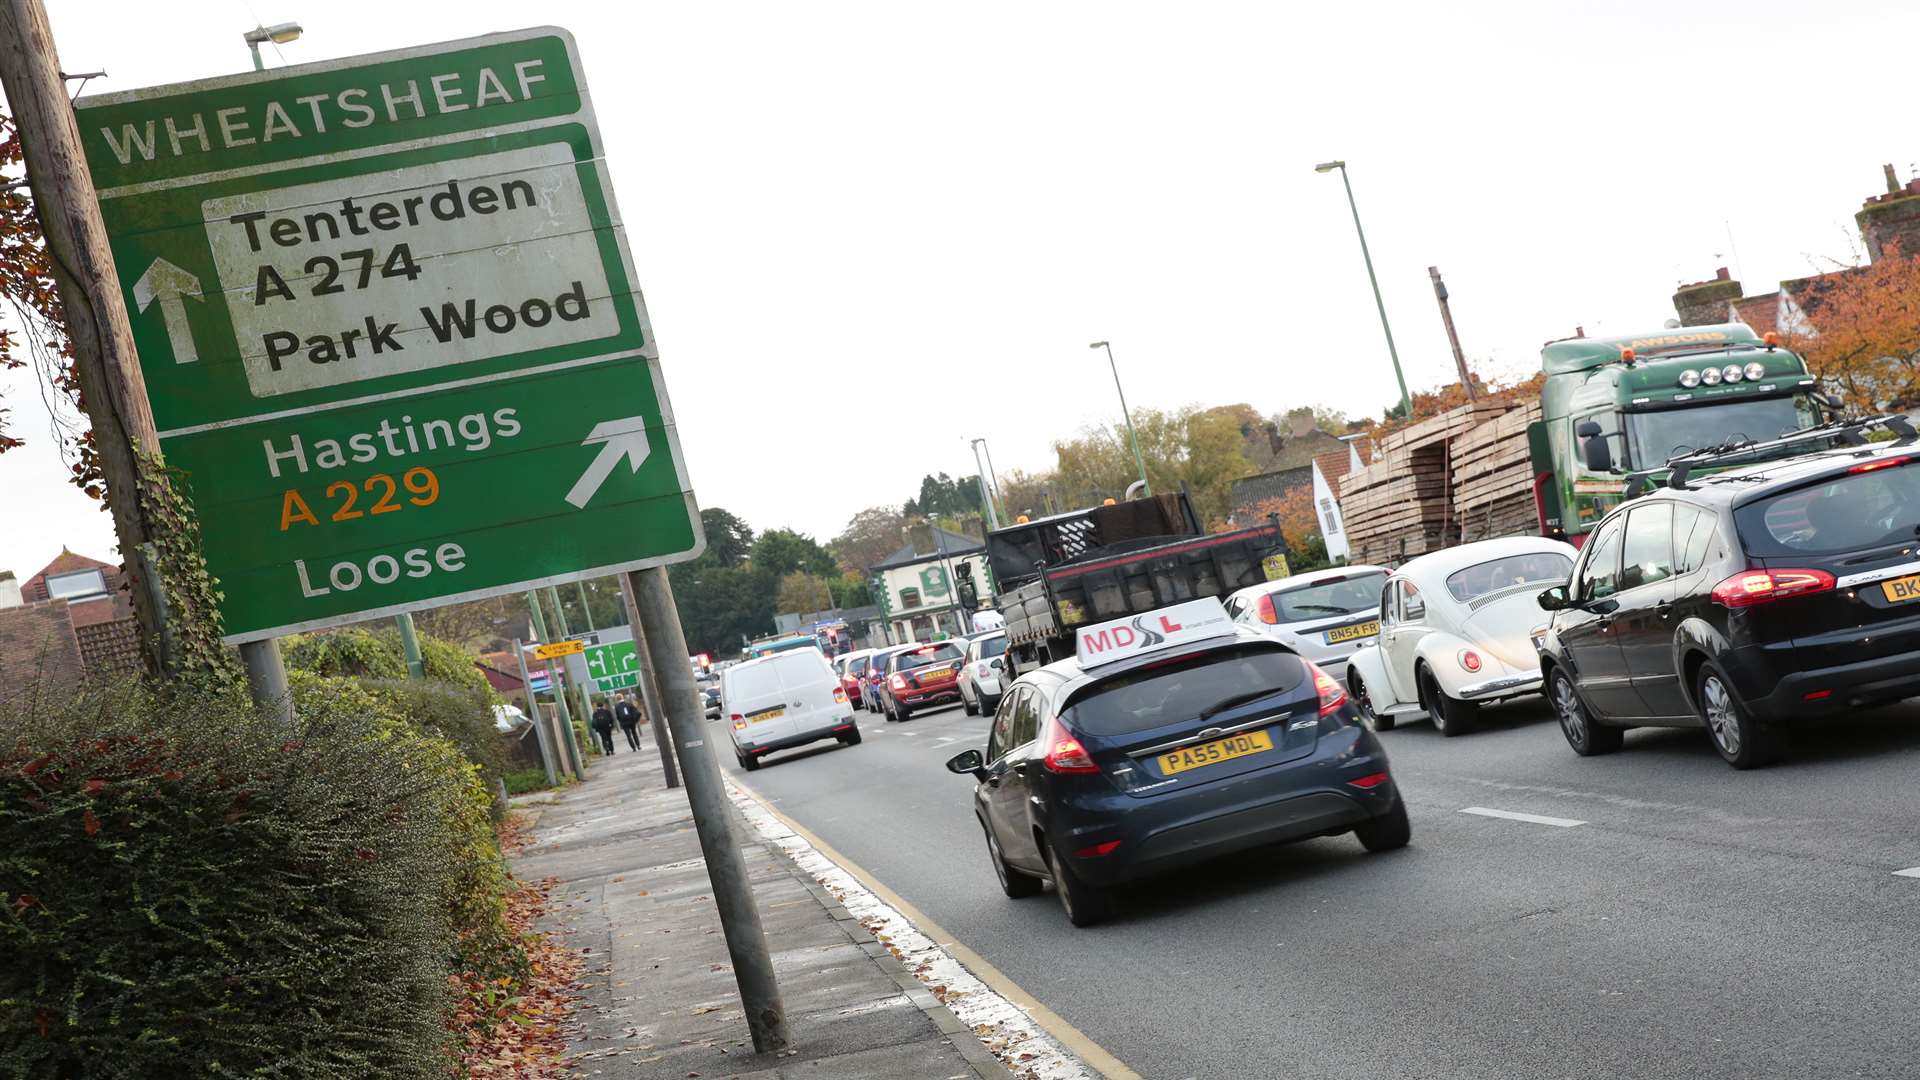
(1406, 401)
(989, 484)
(1138, 461)
(278, 33)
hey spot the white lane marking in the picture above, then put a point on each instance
(910, 734)
(1911, 871)
(1514, 815)
(938, 743)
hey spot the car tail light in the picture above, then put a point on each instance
(1097, 850)
(1264, 609)
(739, 722)
(1750, 587)
(898, 682)
(1469, 660)
(1370, 781)
(1064, 752)
(1883, 463)
(840, 695)
(1332, 694)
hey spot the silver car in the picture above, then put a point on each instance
(1323, 615)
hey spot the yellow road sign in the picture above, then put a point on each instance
(557, 649)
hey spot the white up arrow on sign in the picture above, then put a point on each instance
(167, 283)
(619, 438)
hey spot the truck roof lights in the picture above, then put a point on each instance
(1690, 378)
(1731, 373)
(1756, 371)
(1772, 339)
(1626, 356)
(1710, 377)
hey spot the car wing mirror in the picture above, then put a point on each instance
(1554, 599)
(968, 763)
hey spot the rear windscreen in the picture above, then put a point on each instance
(858, 666)
(752, 681)
(929, 654)
(1862, 510)
(1497, 575)
(1328, 599)
(1182, 689)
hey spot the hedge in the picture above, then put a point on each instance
(187, 889)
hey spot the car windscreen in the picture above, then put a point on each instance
(1329, 599)
(1499, 575)
(927, 654)
(992, 647)
(1859, 510)
(1182, 688)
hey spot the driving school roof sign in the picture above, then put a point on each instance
(1121, 639)
(390, 329)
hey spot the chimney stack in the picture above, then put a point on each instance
(1705, 303)
(1891, 222)
(9, 591)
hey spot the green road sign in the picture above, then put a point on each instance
(390, 329)
(613, 666)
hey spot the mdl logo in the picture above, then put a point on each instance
(1123, 636)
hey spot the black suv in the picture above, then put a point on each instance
(1740, 601)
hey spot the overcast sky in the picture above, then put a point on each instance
(868, 232)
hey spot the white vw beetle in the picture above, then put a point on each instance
(1457, 631)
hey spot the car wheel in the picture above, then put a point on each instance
(1586, 735)
(886, 710)
(1745, 742)
(1084, 904)
(851, 738)
(1388, 831)
(1451, 716)
(1014, 883)
(1357, 687)
(968, 704)
(903, 713)
(749, 762)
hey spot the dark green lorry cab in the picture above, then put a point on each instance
(1612, 406)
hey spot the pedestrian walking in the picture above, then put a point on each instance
(629, 717)
(603, 727)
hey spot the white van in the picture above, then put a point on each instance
(784, 699)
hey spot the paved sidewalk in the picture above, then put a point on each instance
(659, 999)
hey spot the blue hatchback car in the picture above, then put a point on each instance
(1168, 739)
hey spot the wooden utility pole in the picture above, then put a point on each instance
(1453, 339)
(111, 386)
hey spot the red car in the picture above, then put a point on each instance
(922, 675)
(852, 669)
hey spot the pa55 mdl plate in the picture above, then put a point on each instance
(1903, 589)
(1208, 753)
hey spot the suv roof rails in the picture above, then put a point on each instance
(1851, 431)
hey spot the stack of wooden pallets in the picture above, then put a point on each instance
(1404, 503)
(1493, 477)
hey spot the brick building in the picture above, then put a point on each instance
(71, 620)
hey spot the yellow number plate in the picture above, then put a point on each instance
(1347, 633)
(1233, 746)
(1900, 590)
(770, 714)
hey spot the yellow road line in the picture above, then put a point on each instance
(1076, 1041)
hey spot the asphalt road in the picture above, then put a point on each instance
(1701, 923)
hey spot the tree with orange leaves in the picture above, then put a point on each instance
(1299, 524)
(1865, 332)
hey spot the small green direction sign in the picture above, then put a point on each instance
(390, 329)
(613, 666)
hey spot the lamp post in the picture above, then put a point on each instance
(987, 489)
(278, 33)
(1406, 400)
(1138, 461)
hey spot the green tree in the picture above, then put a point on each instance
(850, 590)
(1203, 449)
(871, 536)
(803, 592)
(943, 496)
(728, 538)
(782, 551)
(722, 605)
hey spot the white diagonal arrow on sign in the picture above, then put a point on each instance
(618, 438)
(167, 283)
